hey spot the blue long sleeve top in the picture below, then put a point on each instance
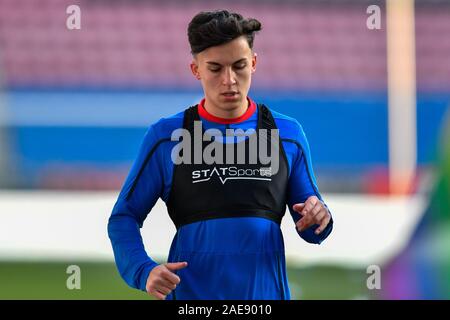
(228, 258)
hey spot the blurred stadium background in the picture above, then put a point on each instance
(74, 106)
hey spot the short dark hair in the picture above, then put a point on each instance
(213, 28)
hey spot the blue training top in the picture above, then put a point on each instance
(228, 258)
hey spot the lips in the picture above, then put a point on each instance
(230, 93)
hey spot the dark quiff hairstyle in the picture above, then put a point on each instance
(213, 28)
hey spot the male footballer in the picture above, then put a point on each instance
(226, 192)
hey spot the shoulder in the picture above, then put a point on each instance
(290, 128)
(163, 128)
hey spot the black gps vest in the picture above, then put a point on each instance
(220, 190)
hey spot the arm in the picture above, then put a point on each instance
(139, 194)
(303, 187)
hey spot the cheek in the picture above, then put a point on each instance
(207, 78)
(211, 83)
(245, 76)
(214, 80)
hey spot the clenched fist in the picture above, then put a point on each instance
(162, 279)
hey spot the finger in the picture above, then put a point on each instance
(304, 223)
(323, 224)
(165, 283)
(316, 210)
(319, 215)
(158, 295)
(299, 225)
(174, 266)
(170, 276)
(319, 211)
(298, 207)
(163, 289)
(309, 204)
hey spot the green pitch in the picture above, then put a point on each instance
(47, 280)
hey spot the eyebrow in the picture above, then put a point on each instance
(218, 64)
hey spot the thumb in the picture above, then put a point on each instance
(298, 207)
(173, 266)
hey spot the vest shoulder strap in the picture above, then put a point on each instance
(265, 117)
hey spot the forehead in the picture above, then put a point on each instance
(227, 53)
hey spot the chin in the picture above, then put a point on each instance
(236, 102)
(232, 105)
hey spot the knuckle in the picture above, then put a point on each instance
(165, 273)
(151, 284)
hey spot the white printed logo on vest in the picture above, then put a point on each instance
(232, 173)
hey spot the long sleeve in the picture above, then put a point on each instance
(302, 185)
(141, 190)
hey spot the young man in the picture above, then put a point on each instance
(228, 243)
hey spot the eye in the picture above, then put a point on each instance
(214, 70)
(240, 66)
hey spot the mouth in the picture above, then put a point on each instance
(230, 94)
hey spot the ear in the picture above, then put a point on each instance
(254, 60)
(194, 69)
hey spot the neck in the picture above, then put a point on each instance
(225, 113)
(230, 117)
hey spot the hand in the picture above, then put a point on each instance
(313, 211)
(162, 279)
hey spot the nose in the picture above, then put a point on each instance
(229, 77)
